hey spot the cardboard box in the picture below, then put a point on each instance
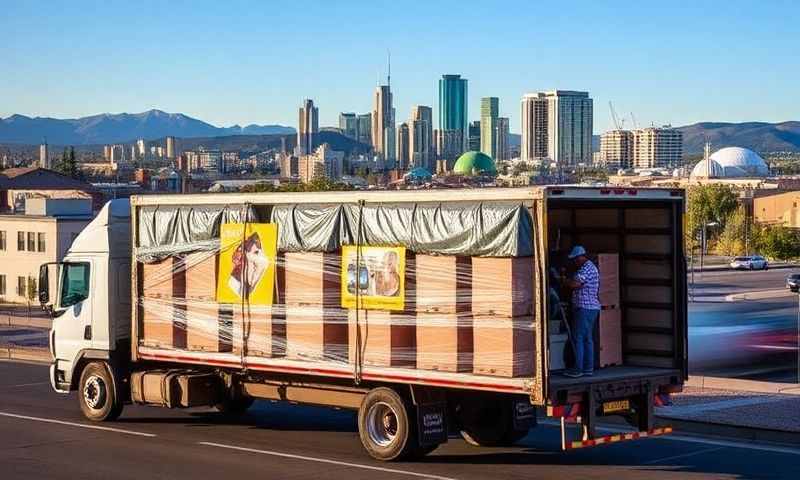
(263, 328)
(310, 279)
(202, 326)
(557, 345)
(163, 311)
(316, 333)
(444, 342)
(608, 267)
(382, 338)
(503, 347)
(502, 286)
(201, 275)
(157, 317)
(441, 284)
(610, 348)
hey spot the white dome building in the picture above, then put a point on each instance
(732, 162)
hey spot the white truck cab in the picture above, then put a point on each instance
(91, 304)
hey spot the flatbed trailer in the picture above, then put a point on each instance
(403, 412)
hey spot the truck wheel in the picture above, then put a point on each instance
(97, 396)
(489, 424)
(386, 427)
(234, 406)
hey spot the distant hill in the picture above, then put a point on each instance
(118, 128)
(757, 136)
(259, 143)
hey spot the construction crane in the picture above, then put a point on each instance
(633, 119)
(617, 123)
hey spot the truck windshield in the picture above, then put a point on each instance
(74, 284)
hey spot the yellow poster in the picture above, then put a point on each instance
(247, 263)
(373, 277)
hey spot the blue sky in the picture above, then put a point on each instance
(229, 62)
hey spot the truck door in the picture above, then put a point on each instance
(73, 313)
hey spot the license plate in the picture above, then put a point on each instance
(616, 406)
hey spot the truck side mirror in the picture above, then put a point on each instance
(44, 285)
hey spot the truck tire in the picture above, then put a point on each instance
(234, 406)
(97, 395)
(386, 426)
(489, 424)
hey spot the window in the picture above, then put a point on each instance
(2, 239)
(74, 283)
(2, 284)
(21, 286)
(31, 242)
(40, 242)
(32, 292)
(21, 241)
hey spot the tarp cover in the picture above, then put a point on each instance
(487, 229)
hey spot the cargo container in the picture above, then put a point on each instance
(426, 311)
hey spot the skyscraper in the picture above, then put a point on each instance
(420, 137)
(383, 122)
(501, 139)
(403, 147)
(171, 148)
(364, 124)
(564, 119)
(452, 115)
(490, 110)
(44, 156)
(657, 148)
(307, 127)
(348, 124)
(474, 143)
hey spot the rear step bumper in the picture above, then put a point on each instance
(617, 437)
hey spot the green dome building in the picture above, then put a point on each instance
(474, 163)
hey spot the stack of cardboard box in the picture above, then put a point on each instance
(203, 320)
(162, 318)
(610, 322)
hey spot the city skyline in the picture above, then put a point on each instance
(266, 63)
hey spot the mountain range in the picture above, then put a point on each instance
(120, 128)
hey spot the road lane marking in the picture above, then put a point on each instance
(690, 454)
(73, 424)
(27, 384)
(325, 460)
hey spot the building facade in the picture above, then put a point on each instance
(171, 148)
(449, 146)
(420, 137)
(490, 111)
(44, 156)
(567, 126)
(453, 109)
(616, 149)
(307, 127)
(383, 123)
(535, 125)
(403, 156)
(324, 162)
(348, 124)
(656, 147)
(364, 130)
(501, 139)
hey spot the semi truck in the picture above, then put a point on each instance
(105, 316)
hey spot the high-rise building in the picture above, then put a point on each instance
(348, 124)
(564, 119)
(403, 147)
(453, 113)
(307, 127)
(657, 148)
(616, 149)
(449, 146)
(140, 148)
(383, 122)
(490, 111)
(534, 127)
(420, 137)
(170, 148)
(501, 139)
(324, 162)
(474, 143)
(44, 156)
(364, 128)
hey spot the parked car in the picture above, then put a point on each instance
(793, 282)
(753, 262)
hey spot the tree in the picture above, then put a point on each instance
(776, 241)
(706, 204)
(68, 165)
(733, 239)
(320, 184)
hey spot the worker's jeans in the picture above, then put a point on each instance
(584, 338)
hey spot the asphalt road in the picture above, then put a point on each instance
(43, 435)
(753, 338)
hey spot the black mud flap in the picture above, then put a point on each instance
(432, 424)
(524, 416)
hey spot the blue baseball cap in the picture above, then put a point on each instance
(576, 252)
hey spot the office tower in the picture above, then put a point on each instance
(307, 127)
(657, 148)
(383, 122)
(348, 124)
(107, 153)
(44, 156)
(474, 143)
(501, 139)
(616, 149)
(490, 111)
(420, 137)
(364, 128)
(453, 114)
(140, 148)
(403, 148)
(534, 127)
(557, 125)
(171, 148)
(449, 146)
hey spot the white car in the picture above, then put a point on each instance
(754, 262)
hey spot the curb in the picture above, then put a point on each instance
(755, 386)
(722, 430)
(26, 354)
